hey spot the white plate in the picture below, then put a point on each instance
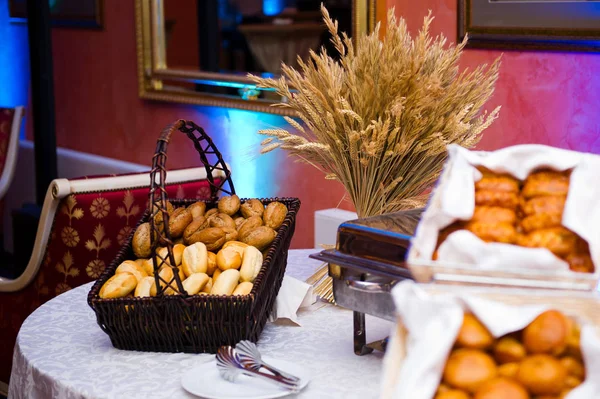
(204, 381)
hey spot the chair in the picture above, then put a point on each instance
(82, 225)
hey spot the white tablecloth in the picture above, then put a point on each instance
(62, 353)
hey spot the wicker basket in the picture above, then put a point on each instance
(190, 323)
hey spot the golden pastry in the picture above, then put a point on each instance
(473, 334)
(580, 263)
(548, 204)
(453, 394)
(509, 350)
(547, 333)
(546, 183)
(540, 221)
(574, 367)
(496, 182)
(501, 388)
(508, 370)
(558, 240)
(497, 198)
(493, 232)
(468, 369)
(542, 375)
(494, 214)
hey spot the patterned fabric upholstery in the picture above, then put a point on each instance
(88, 230)
(6, 121)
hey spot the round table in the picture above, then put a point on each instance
(62, 353)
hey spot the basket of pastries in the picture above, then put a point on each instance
(195, 275)
(495, 343)
(520, 216)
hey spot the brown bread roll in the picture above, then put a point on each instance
(239, 220)
(250, 224)
(118, 286)
(261, 237)
(274, 215)
(141, 241)
(252, 207)
(197, 225)
(211, 212)
(221, 220)
(197, 209)
(230, 234)
(229, 205)
(178, 221)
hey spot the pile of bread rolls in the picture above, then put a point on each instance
(217, 251)
(543, 361)
(528, 214)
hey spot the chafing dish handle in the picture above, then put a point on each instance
(368, 286)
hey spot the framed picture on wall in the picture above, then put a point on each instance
(64, 13)
(530, 24)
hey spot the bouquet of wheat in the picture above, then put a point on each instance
(378, 118)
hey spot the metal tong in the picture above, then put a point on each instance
(230, 367)
(250, 357)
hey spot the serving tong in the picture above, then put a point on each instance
(246, 360)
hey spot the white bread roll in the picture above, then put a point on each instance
(208, 286)
(119, 286)
(195, 259)
(251, 264)
(130, 266)
(228, 258)
(144, 287)
(147, 265)
(243, 288)
(195, 283)
(226, 282)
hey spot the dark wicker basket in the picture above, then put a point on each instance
(191, 323)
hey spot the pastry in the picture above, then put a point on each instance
(494, 214)
(496, 182)
(580, 263)
(468, 369)
(493, 232)
(509, 350)
(501, 388)
(502, 199)
(225, 283)
(545, 183)
(573, 366)
(473, 334)
(118, 286)
(558, 240)
(508, 370)
(547, 333)
(547, 204)
(542, 375)
(541, 221)
(453, 394)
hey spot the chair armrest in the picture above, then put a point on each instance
(11, 152)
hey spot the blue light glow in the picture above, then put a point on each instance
(14, 61)
(273, 7)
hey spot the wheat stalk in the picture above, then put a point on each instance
(379, 119)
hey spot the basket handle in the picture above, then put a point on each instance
(160, 233)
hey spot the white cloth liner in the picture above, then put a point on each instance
(454, 199)
(433, 321)
(293, 295)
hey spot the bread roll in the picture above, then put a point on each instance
(195, 283)
(243, 288)
(229, 204)
(130, 266)
(208, 286)
(197, 209)
(147, 265)
(211, 212)
(261, 237)
(144, 287)
(252, 261)
(226, 282)
(252, 207)
(239, 220)
(240, 246)
(229, 258)
(249, 225)
(195, 259)
(216, 274)
(222, 220)
(212, 263)
(119, 286)
(141, 241)
(178, 221)
(166, 273)
(230, 234)
(275, 214)
(177, 254)
(197, 225)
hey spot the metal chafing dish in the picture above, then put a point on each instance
(366, 263)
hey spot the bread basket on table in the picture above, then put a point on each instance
(182, 322)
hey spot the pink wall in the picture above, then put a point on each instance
(546, 98)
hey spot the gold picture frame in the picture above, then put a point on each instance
(154, 73)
